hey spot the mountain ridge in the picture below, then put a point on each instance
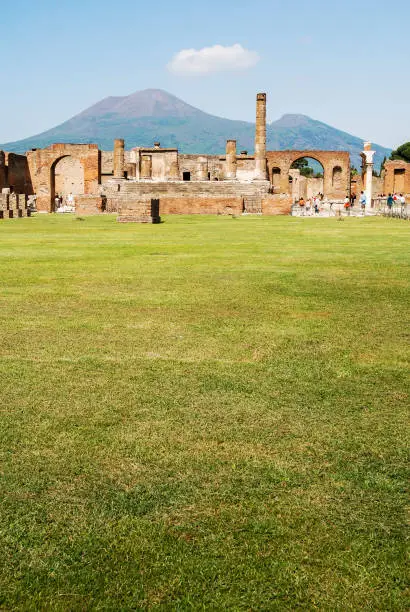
(155, 115)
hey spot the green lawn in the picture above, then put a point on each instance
(206, 414)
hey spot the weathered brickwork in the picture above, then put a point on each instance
(14, 205)
(397, 177)
(139, 210)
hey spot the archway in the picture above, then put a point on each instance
(307, 177)
(67, 176)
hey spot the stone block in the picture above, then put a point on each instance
(139, 211)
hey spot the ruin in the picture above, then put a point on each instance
(113, 181)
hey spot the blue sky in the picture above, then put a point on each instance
(344, 63)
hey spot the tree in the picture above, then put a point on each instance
(402, 152)
(302, 164)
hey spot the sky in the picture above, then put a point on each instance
(343, 63)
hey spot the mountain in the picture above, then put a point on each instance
(155, 115)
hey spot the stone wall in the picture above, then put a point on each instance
(276, 204)
(14, 173)
(14, 205)
(397, 177)
(69, 176)
(89, 205)
(200, 197)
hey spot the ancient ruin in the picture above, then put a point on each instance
(234, 183)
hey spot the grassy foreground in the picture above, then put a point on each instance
(205, 414)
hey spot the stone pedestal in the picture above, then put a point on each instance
(139, 210)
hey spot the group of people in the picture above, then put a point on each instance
(395, 198)
(311, 205)
(61, 205)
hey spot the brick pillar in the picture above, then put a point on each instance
(230, 168)
(2, 170)
(174, 171)
(203, 169)
(260, 137)
(119, 158)
(146, 167)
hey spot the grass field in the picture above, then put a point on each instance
(206, 414)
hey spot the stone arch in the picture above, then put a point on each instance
(308, 180)
(44, 162)
(327, 159)
(67, 176)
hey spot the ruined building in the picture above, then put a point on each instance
(236, 182)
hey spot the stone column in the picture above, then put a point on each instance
(230, 168)
(260, 137)
(2, 170)
(146, 167)
(367, 157)
(119, 158)
(203, 169)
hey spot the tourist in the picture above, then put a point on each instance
(316, 206)
(390, 202)
(302, 205)
(346, 204)
(57, 202)
(362, 201)
(402, 200)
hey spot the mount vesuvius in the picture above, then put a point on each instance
(155, 115)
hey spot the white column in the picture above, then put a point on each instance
(367, 156)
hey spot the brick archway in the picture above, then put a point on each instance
(329, 161)
(42, 163)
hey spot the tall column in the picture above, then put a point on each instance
(367, 157)
(260, 137)
(119, 158)
(230, 168)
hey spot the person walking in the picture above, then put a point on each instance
(362, 201)
(390, 202)
(346, 205)
(302, 206)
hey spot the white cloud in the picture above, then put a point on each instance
(212, 59)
